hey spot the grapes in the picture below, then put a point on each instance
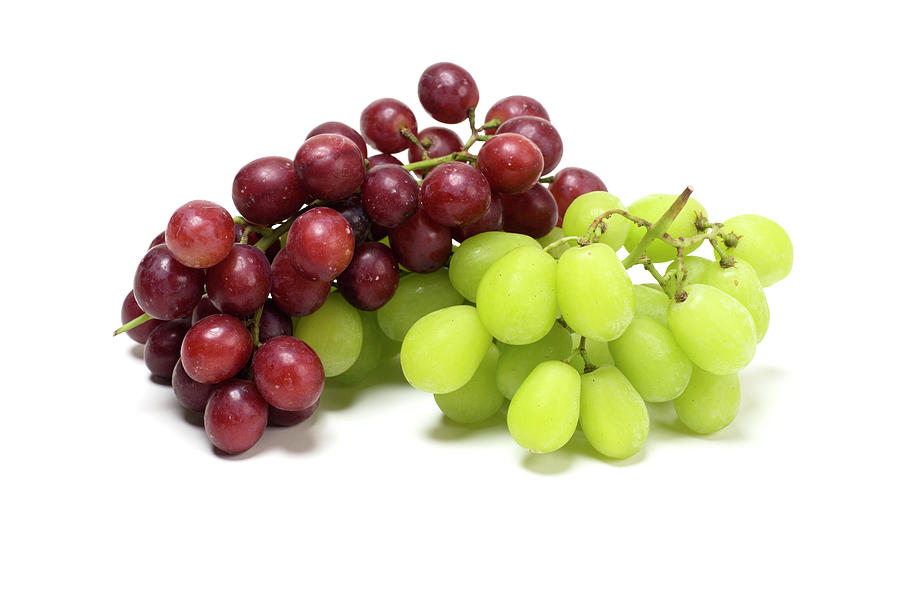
(417, 295)
(709, 402)
(164, 288)
(288, 374)
(374, 349)
(479, 398)
(344, 130)
(741, 283)
(421, 245)
(335, 334)
(267, 191)
(131, 310)
(652, 208)
(163, 347)
(514, 106)
(543, 413)
(383, 159)
(216, 348)
(443, 349)
(200, 234)
(351, 209)
(329, 166)
(381, 123)
(203, 309)
(713, 329)
(582, 272)
(516, 362)
(586, 208)
(371, 278)
(235, 416)
(273, 322)
(764, 244)
(191, 394)
(475, 255)
(389, 195)
(570, 183)
(695, 267)
(438, 141)
(447, 92)
(651, 302)
(516, 298)
(542, 133)
(532, 212)
(613, 416)
(289, 418)
(320, 244)
(455, 194)
(511, 163)
(240, 284)
(492, 220)
(293, 293)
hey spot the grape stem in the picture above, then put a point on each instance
(582, 348)
(255, 330)
(663, 281)
(561, 241)
(268, 236)
(139, 320)
(408, 134)
(547, 179)
(433, 162)
(658, 229)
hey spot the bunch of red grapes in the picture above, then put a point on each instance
(214, 295)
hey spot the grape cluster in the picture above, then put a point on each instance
(490, 278)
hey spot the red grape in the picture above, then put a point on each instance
(289, 418)
(383, 159)
(288, 373)
(329, 166)
(514, 106)
(511, 163)
(239, 284)
(164, 288)
(455, 194)
(351, 209)
(532, 212)
(420, 244)
(203, 309)
(159, 239)
(191, 394)
(542, 133)
(344, 130)
(266, 190)
(438, 141)
(492, 220)
(570, 183)
(235, 416)
(216, 348)
(389, 195)
(371, 278)
(163, 347)
(293, 293)
(130, 311)
(381, 122)
(320, 244)
(273, 322)
(447, 92)
(200, 234)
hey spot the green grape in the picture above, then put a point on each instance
(369, 355)
(695, 267)
(713, 329)
(334, 332)
(443, 349)
(613, 417)
(577, 362)
(741, 283)
(709, 402)
(543, 414)
(479, 398)
(476, 254)
(516, 298)
(649, 357)
(555, 234)
(598, 353)
(595, 294)
(587, 207)
(763, 244)
(652, 208)
(516, 362)
(389, 348)
(417, 295)
(651, 302)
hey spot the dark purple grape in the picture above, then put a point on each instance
(511, 163)
(381, 122)
(266, 190)
(203, 309)
(235, 416)
(289, 418)
(164, 288)
(455, 194)
(514, 106)
(239, 284)
(390, 195)
(542, 133)
(377, 232)
(420, 244)
(159, 239)
(383, 159)
(371, 278)
(288, 373)
(295, 295)
(200, 234)
(532, 212)
(191, 394)
(163, 347)
(447, 92)
(344, 130)
(216, 348)
(273, 322)
(131, 311)
(570, 183)
(329, 166)
(492, 220)
(320, 244)
(351, 209)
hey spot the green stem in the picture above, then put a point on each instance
(547, 179)
(139, 320)
(659, 228)
(582, 348)
(270, 236)
(470, 113)
(433, 162)
(255, 331)
(560, 242)
(493, 123)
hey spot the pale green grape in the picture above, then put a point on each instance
(516, 298)
(713, 329)
(443, 349)
(587, 207)
(652, 208)
(764, 244)
(649, 357)
(516, 362)
(370, 354)
(543, 413)
(613, 416)
(651, 302)
(389, 348)
(710, 402)
(476, 254)
(695, 267)
(598, 352)
(577, 362)
(417, 295)
(555, 234)
(334, 332)
(479, 398)
(741, 283)
(596, 297)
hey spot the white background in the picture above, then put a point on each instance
(115, 114)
